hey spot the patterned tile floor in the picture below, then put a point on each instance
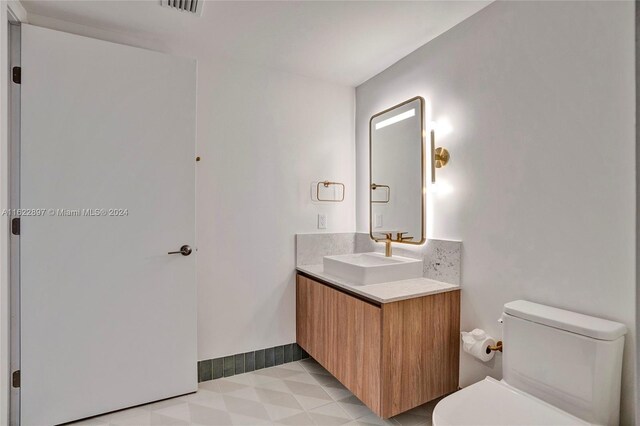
(297, 393)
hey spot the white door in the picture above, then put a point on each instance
(108, 317)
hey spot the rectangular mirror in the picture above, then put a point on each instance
(397, 173)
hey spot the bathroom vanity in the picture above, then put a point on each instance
(395, 345)
(387, 333)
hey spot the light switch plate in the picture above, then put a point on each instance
(322, 221)
(378, 222)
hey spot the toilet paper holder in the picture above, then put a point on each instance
(497, 347)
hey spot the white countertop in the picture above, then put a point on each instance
(383, 292)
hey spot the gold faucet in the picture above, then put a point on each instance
(387, 243)
(400, 237)
(389, 239)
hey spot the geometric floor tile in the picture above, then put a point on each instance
(302, 419)
(293, 366)
(159, 419)
(303, 377)
(225, 385)
(327, 380)
(281, 399)
(309, 403)
(278, 412)
(354, 408)
(276, 372)
(239, 419)
(338, 394)
(179, 412)
(372, 420)
(330, 414)
(307, 389)
(249, 393)
(411, 420)
(296, 394)
(277, 385)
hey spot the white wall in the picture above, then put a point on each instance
(264, 136)
(541, 102)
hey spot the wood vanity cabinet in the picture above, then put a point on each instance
(393, 356)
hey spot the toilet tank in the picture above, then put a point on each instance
(569, 360)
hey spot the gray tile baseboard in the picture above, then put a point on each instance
(226, 366)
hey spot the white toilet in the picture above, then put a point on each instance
(559, 368)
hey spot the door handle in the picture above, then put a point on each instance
(185, 250)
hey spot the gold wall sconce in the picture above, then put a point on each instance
(439, 156)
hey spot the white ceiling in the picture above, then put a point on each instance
(346, 42)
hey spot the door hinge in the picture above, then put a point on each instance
(15, 379)
(15, 226)
(17, 75)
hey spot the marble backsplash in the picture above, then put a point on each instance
(311, 248)
(441, 258)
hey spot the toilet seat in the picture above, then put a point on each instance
(492, 402)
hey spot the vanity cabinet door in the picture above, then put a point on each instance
(315, 316)
(420, 350)
(357, 350)
(303, 302)
(343, 334)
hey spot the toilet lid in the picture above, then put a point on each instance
(491, 402)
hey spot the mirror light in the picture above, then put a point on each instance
(439, 156)
(395, 119)
(442, 126)
(442, 187)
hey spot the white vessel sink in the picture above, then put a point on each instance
(372, 268)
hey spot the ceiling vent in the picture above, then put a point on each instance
(190, 6)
